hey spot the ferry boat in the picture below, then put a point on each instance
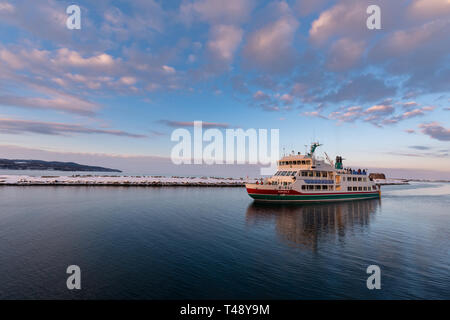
(305, 178)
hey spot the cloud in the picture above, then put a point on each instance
(344, 54)
(409, 114)
(270, 48)
(46, 20)
(435, 131)
(349, 114)
(178, 124)
(169, 70)
(307, 7)
(410, 104)
(70, 58)
(417, 54)
(380, 109)
(405, 41)
(410, 131)
(412, 114)
(6, 7)
(223, 42)
(286, 98)
(420, 147)
(261, 96)
(342, 19)
(423, 9)
(272, 102)
(363, 88)
(313, 114)
(57, 101)
(216, 11)
(128, 80)
(13, 126)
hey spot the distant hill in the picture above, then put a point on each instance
(49, 165)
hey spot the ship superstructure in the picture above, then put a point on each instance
(306, 178)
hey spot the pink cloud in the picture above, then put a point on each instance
(341, 19)
(380, 109)
(14, 126)
(345, 53)
(223, 42)
(424, 9)
(436, 131)
(270, 48)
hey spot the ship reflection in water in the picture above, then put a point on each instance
(307, 225)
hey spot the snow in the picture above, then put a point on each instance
(390, 181)
(122, 180)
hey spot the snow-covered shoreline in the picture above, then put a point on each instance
(96, 180)
(386, 182)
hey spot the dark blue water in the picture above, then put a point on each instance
(215, 243)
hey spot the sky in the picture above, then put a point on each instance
(112, 92)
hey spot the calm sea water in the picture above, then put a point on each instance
(215, 243)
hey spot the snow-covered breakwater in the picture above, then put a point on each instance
(387, 182)
(91, 180)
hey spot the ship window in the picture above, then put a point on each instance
(303, 162)
(355, 189)
(303, 187)
(293, 173)
(324, 174)
(349, 188)
(308, 162)
(359, 188)
(317, 173)
(318, 187)
(374, 188)
(325, 187)
(304, 173)
(364, 179)
(355, 179)
(359, 179)
(310, 187)
(365, 188)
(331, 187)
(311, 174)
